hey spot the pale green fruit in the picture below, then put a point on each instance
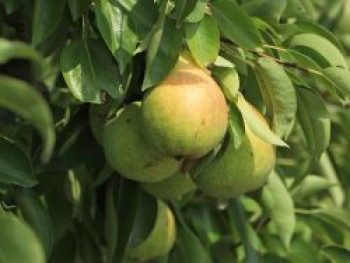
(240, 170)
(162, 237)
(172, 187)
(128, 153)
(186, 115)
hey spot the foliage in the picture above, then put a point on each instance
(66, 64)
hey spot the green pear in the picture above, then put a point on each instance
(186, 115)
(239, 170)
(172, 187)
(161, 239)
(129, 153)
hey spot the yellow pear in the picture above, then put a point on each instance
(239, 170)
(186, 115)
(129, 153)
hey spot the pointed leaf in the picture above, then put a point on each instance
(236, 25)
(15, 166)
(14, 96)
(278, 204)
(340, 78)
(88, 69)
(278, 93)
(203, 40)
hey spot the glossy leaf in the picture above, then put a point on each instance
(204, 41)
(18, 242)
(236, 25)
(46, 18)
(15, 167)
(163, 54)
(113, 23)
(88, 69)
(236, 125)
(278, 93)
(319, 48)
(22, 99)
(314, 120)
(198, 12)
(36, 215)
(278, 204)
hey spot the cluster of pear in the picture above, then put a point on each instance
(177, 122)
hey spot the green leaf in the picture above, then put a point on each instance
(197, 13)
(88, 69)
(302, 251)
(113, 23)
(236, 25)
(143, 15)
(336, 253)
(270, 10)
(111, 222)
(236, 125)
(278, 204)
(203, 40)
(15, 166)
(257, 125)
(163, 53)
(319, 48)
(15, 95)
(35, 213)
(278, 93)
(314, 120)
(310, 186)
(77, 7)
(340, 78)
(47, 16)
(236, 214)
(18, 242)
(228, 79)
(11, 5)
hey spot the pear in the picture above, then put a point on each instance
(161, 238)
(239, 170)
(129, 153)
(172, 187)
(186, 115)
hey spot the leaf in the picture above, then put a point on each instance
(236, 125)
(314, 120)
(11, 5)
(278, 93)
(236, 25)
(203, 40)
(46, 17)
(15, 166)
(236, 214)
(77, 7)
(278, 204)
(15, 95)
(340, 78)
(228, 80)
(163, 53)
(258, 125)
(113, 23)
(18, 242)
(302, 251)
(336, 253)
(143, 15)
(311, 186)
(88, 69)
(319, 48)
(35, 213)
(197, 13)
(271, 10)
(127, 207)
(111, 222)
